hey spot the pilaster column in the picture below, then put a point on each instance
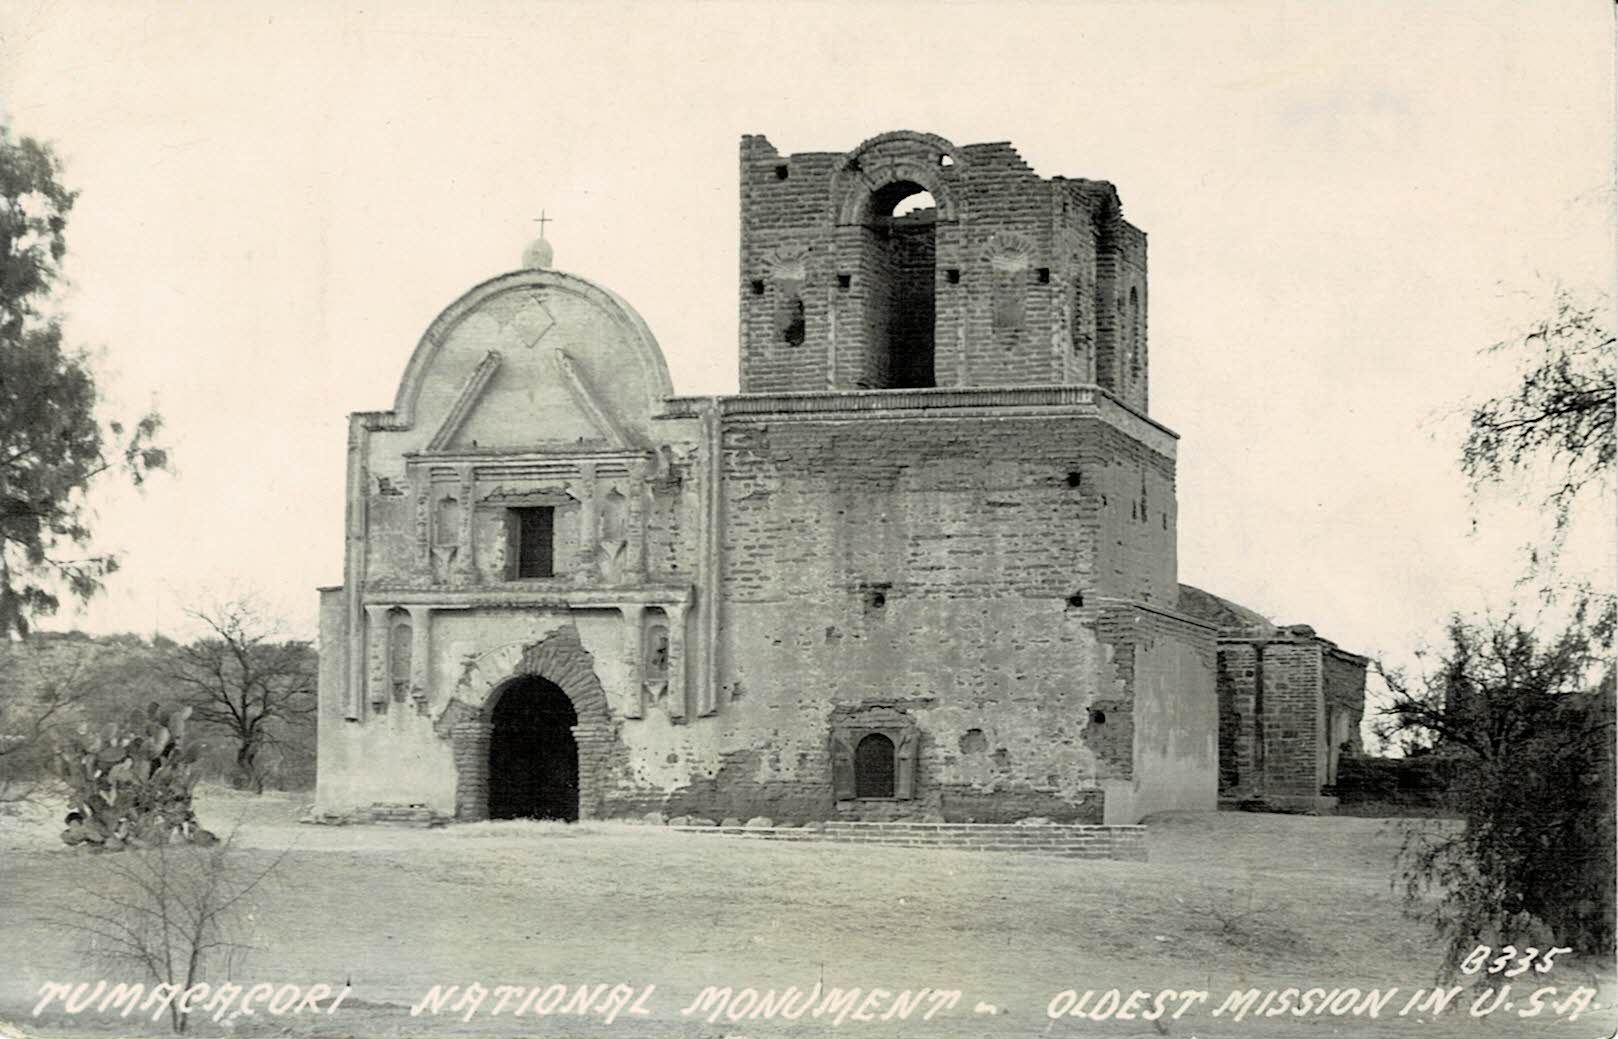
(376, 653)
(831, 338)
(634, 659)
(676, 615)
(465, 563)
(470, 744)
(420, 656)
(421, 491)
(584, 571)
(640, 493)
(354, 568)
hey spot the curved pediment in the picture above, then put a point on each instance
(532, 359)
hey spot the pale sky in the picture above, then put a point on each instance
(1345, 203)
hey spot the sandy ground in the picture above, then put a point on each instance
(1227, 901)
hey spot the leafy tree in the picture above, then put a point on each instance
(38, 694)
(53, 444)
(247, 681)
(1530, 721)
(1527, 718)
(1561, 412)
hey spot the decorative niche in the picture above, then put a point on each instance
(654, 643)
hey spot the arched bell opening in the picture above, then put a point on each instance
(900, 243)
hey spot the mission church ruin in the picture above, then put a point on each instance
(922, 566)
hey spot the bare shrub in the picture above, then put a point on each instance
(176, 914)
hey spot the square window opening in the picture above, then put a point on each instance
(533, 536)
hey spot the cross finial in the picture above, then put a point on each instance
(538, 255)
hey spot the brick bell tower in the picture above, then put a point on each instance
(911, 263)
(946, 518)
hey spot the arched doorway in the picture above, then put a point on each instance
(533, 756)
(874, 767)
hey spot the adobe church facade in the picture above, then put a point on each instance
(922, 565)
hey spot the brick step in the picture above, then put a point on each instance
(1088, 842)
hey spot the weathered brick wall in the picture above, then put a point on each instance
(1272, 716)
(1134, 386)
(1020, 505)
(1293, 744)
(1239, 746)
(1074, 842)
(1058, 246)
(947, 565)
(674, 517)
(784, 205)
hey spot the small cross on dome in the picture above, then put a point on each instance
(539, 253)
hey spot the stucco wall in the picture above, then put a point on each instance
(1163, 682)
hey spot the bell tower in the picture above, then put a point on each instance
(913, 263)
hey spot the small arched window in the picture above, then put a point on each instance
(874, 767)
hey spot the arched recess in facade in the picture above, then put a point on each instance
(558, 658)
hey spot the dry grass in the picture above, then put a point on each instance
(1226, 901)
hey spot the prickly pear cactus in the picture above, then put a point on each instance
(131, 784)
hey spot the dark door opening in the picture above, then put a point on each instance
(874, 767)
(533, 758)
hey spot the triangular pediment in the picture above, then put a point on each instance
(465, 401)
(554, 405)
(578, 384)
